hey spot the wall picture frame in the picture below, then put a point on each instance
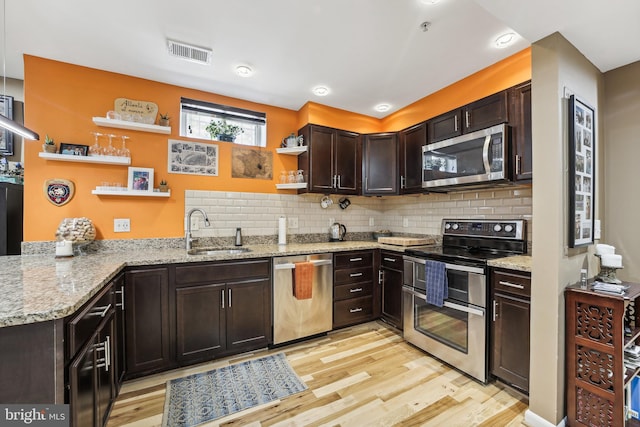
(140, 179)
(6, 137)
(581, 154)
(74, 149)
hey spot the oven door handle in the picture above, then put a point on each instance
(465, 268)
(470, 310)
(410, 290)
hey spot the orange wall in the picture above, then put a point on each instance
(499, 76)
(61, 99)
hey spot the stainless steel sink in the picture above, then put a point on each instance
(217, 251)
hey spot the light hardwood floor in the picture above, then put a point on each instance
(360, 376)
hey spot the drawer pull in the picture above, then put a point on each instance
(389, 259)
(355, 274)
(511, 285)
(121, 293)
(354, 290)
(100, 311)
(355, 259)
(355, 310)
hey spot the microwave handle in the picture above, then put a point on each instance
(485, 154)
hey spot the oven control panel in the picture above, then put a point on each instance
(501, 229)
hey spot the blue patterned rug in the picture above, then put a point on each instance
(199, 398)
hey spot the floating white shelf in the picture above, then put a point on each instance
(107, 160)
(129, 193)
(123, 124)
(292, 151)
(292, 186)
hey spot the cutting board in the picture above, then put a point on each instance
(406, 241)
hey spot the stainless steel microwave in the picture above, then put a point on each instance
(473, 159)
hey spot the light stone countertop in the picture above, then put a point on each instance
(36, 288)
(516, 262)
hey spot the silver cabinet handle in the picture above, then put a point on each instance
(389, 259)
(100, 311)
(222, 298)
(354, 290)
(229, 298)
(121, 293)
(380, 276)
(334, 179)
(355, 259)
(355, 274)
(402, 182)
(355, 310)
(518, 165)
(107, 353)
(339, 181)
(467, 116)
(511, 285)
(455, 123)
(495, 310)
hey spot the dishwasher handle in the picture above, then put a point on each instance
(292, 266)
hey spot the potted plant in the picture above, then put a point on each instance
(49, 146)
(223, 131)
(164, 119)
(163, 186)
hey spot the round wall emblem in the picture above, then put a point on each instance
(59, 191)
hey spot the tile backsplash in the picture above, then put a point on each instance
(257, 213)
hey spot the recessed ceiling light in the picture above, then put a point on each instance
(430, 1)
(505, 40)
(244, 71)
(382, 107)
(321, 91)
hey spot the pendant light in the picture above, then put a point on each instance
(5, 123)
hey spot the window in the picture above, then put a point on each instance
(196, 115)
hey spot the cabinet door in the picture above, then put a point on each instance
(411, 142)
(392, 296)
(105, 384)
(347, 158)
(200, 322)
(521, 141)
(445, 126)
(248, 314)
(119, 333)
(147, 320)
(380, 157)
(485, 112)
(510, 358)
(320, 161)
(82, 384)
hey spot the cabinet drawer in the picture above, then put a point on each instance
(353, 275)
(512, 283)
(352, 310)
(353, 260)
(84, 324)
(352, 291)
(391, 260)
(221, 271)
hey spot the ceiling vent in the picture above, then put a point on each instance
(189, 52)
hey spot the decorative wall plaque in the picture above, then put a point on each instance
(59, 191)
(136, 111)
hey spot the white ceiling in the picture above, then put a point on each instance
(365, 51)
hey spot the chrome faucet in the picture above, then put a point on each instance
(188, 239)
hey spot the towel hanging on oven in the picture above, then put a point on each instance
(437, 284)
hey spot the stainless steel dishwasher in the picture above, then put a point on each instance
(298, 318)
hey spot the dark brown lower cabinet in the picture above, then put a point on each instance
(222, 308)
(391, 280)
(511, 298)
(148, 340)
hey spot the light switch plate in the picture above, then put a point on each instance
(597, 231)
(121, 225)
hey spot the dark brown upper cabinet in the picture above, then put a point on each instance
(411, 141)
(521, 141)
(333, 160)
(380, 164)
(484, 113)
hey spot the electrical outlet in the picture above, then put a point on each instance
(371, 222)
(292, 222)
(195, 223)
(405, 222)
(121, 225)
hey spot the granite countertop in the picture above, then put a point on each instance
(516, 262)
(38, 288)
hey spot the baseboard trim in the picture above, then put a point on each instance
(534, 420)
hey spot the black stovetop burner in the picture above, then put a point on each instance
(476, 241)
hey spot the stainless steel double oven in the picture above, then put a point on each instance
(456, 333)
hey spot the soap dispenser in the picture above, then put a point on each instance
(238, 237)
